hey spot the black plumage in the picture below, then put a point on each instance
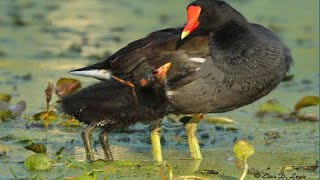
(243, 61)
(114, 105)
(220, 61)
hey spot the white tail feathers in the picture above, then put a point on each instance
(101, 74)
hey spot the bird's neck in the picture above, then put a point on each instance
(230, 36)
(228, 45)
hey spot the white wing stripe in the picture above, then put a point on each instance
(198, 60)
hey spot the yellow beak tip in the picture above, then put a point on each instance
(184, 34)
(168, 64)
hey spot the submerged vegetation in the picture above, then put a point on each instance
(40, 41)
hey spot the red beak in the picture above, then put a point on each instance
(193, 20)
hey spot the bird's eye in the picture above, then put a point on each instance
(207, 13)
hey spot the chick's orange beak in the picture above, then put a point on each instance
(193, 20)
(161, 72)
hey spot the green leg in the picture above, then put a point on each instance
(155, 140)
(191, 131)
(87, 137)
(104, 141)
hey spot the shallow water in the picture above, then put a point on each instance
(46, 47)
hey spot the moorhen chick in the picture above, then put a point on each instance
(112, 105)
(220, 61)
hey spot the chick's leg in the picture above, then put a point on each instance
(87, 138)
(104, 141)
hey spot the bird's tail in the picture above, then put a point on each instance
(96, 71)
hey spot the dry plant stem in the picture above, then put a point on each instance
(163, 177)
(170, 170)
(191, 131)
(87, 137)
(246, 168)
(46, 119)
(156, 140)
(48, 107)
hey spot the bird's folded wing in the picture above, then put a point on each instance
(160, 47)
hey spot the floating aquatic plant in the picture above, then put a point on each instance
(8, 111)
(220, 120)
(5, 97)
(243, 150)
(272, 107)
(306, 102)
(37, 148)
(39, 161)
(64, 86)
(275, 108)
(48, 114)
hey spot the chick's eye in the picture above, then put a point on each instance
(207, 13)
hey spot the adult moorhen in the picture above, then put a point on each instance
(112, 105)
(220, 61)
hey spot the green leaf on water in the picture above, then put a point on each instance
(306, 102)
(49, 116)
(272, 107)
(221, 120)
(71, 123)
(38, 162)
(5, 97)
(243, 150)
(37, 148)
(5, 115)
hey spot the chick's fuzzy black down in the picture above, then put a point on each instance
(114, 105)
